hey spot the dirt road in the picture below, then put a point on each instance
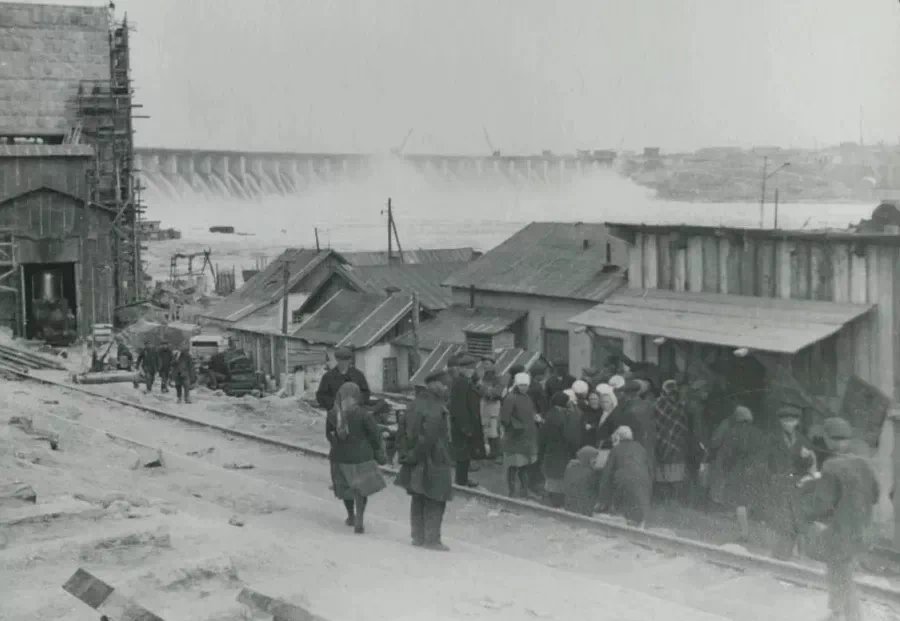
(293, 543)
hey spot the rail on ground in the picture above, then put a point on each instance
(742, 561)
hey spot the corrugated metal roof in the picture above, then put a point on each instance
(355, 320)
(438, 357)
(268, 319)
(764, 324)
(46, 150)
(47, 50)
(452, 324)
(388, 314)
(422, 255)
(506, 358)
(550, 259)
(423, 279)
(435, 360)
(267, 286)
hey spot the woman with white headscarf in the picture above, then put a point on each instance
(520, 438)
(626, 484)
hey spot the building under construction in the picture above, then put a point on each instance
(69, 198)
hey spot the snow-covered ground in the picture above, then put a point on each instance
(503, 565)
(163, 536)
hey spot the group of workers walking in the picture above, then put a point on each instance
(175, 367)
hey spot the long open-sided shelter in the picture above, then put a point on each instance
(785, 315)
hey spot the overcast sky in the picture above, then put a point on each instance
(356, 75)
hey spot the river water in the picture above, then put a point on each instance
(432, 213)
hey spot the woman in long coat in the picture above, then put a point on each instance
(745, 467)
(520, 441)
(626, 485)
(355, 448)
(558, 444)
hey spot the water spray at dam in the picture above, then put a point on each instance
(436, 205)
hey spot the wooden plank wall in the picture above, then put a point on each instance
(807, 270)
(53, 208)
(799, 269)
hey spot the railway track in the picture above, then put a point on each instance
(682, 556)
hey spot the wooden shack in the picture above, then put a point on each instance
(812, 308)
(52, 233)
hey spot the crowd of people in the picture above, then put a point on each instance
(608, 442)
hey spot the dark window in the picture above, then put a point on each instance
(556, 348)
(390, 375)
(603, 348)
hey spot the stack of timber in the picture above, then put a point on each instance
(14, 360)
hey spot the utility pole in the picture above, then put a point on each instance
(776, 208)
(762, 198)
(415, 330)
(318, 248)
(284, 302)
(390, 220)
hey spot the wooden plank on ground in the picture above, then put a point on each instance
(17, 495)
(103, 598)
(279, 609)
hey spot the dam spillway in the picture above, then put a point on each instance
(181, 173)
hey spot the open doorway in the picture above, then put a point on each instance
(50, 302)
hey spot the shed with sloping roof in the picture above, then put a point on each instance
(551, 271)
(423, 279)
(483, 329)
(763, 311)
(367, 324)
(307, 270)
(56, 244)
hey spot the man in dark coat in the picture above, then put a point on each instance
(147, 364)
(183, 374)
(560, 379)
(164, 356)
(589, 376)
(843, 498)
(465, 420)
(337, 376)
(423, 442)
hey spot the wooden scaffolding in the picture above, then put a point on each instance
(105, 121)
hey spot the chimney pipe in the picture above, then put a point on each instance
(471, 296)
(608, 253)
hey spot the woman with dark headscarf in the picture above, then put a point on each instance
(558, 443)
(745, 467)
(355, 449)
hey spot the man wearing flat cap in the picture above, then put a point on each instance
(465, 420)
(560, 379)
(423, 441)
(843, 499)
(337, 376)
